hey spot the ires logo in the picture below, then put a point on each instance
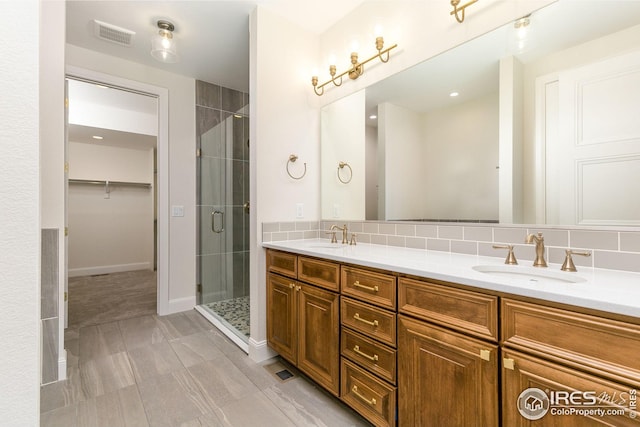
(534, 403)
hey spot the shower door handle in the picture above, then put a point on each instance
(213, 221)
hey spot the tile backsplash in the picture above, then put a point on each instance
(611, 249)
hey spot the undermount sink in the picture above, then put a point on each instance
(533, 274)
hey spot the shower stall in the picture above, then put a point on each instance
(223, 209)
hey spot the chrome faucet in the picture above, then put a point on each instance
(539, 241)
(344, 232)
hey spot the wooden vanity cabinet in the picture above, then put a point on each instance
(555, 349)
(368, 346)
(303, 319)
(446, 374)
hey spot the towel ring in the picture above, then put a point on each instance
(292, 159)
(341, 165)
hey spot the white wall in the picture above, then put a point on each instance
(20, 215)
(111, 232)
(460, 159)
(284, 120)
(342, 136)
(371, 174)
(182, 163)
(401, 147)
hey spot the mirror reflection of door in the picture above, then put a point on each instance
(593, 150)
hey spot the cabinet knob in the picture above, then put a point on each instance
(298, 287)
(485, 355)
(509, 363)
(292, 285)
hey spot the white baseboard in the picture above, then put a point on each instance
(62, 365)
(259, 351)
(180, 304)
(107, 269)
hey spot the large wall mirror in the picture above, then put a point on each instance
(544, 128)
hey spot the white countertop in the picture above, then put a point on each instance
(606, 290)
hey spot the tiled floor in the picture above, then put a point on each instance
(178, 370)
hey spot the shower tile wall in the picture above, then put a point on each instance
(49, 304)
(223, 138)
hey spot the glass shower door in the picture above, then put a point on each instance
(223, 235)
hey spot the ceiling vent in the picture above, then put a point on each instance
(112, 33)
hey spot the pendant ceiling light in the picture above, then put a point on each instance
(163, 45)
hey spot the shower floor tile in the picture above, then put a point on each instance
(235, 311)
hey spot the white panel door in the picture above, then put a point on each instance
(593, 166)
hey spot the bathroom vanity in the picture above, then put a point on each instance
(413, 337)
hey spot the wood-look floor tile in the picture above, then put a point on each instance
(62, 393)
(152, 360)
(120, 408)
(196, 348)
(179, 325)
(106, 374)
(254, 410)
(61, 417)
(206, 420)
(173, 399)
(222, 381)
(140, 331)
(99, 341)
(307, 405)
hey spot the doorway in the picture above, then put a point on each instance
(115, 151)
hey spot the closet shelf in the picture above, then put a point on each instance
(109, 183)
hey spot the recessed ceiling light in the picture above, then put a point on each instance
(373, 117)
(97, 137)
(454, 94)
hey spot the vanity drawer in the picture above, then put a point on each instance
(321, 273)
(602, 346)
(371, 321)
(375, 357)
(376, 288)
(372, 398)
(466, 311)
(283, 263)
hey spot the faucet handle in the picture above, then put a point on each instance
(333, 236)
(353, 239)
(511, 257)
(568, 264)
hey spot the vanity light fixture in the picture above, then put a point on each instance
(163, 45)
(97, 137)
(459, 11)
(356, 70)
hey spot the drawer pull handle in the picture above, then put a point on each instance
(509, 364)
(369, 288)
(373, 358)
(368, 322)
(355, 391)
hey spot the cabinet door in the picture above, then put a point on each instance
(319, 337)
(445, 378)
(538, 392)
(282, 328)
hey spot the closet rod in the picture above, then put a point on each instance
(96, 182)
